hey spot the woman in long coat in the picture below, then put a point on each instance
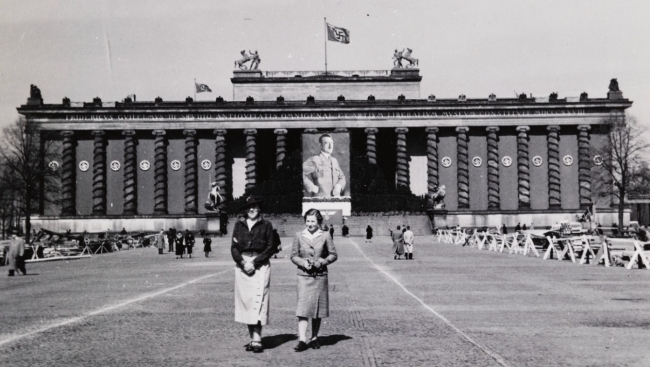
(312, 250)
(180, 248)
(398, 242)
(15, 255)
(369, 233)
(252, 247)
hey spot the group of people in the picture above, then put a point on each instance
(312, 251)
(403, 239)
(180, 243)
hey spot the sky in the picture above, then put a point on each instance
(110, 49)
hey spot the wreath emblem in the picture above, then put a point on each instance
(84, 166)
(598, 160)
(115, 166)
(54, 165)
(537, 161)
(477, 161)
(446, 161)
(145, 165)
(176, 164)
(506, 161)
(206, 164)
(568, 160)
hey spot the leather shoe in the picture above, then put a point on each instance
(248, 347)
(301, 347)
(257, 347)
(314, 344)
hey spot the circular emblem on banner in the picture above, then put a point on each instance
(477, 161)
(115, 165)
(84, 165)
(446, 161)
(206, 164)
(537, 161)
(506, 161)
(145, 165)
(54, 165)
(598, 160)
(568, 160)
(176, 164)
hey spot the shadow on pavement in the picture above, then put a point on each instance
(274, 341)
(332, 339)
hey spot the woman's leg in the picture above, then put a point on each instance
(302, 329)
(315, 328)
(255, 332)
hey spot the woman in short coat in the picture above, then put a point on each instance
(313, 249)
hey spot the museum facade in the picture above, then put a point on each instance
(501, 160)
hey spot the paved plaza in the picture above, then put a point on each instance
(450, 306)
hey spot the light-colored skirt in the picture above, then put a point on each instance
(313, 297)
(252, 294)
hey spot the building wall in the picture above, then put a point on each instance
(52, 205)
(84, 192)
(115, 179)
(508, 186)
(146, 179)
(325, 91)
(569, 183)
(478, 182)
(447, 175)
(205, 150)
(537, 146)
(175, 179)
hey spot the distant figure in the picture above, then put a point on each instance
(326, 228)
(189, 242)
(207, 243)
(408, 243)
(223, 223)
(615, 229)
(123, 232)
(172, 238)
(398, 242)
(518, 227)
(16, 256)
(504, 229)
(277, 243)
(532, 228)
(599, 228)
(345, 231)
(524, 227)
(180, 248)
(369, 233)
(332, 231)
(160, 241)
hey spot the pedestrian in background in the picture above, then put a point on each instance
(369, 233)
(504, 229)
(207, 242)
(408, 243)
(345, 231)
(311, 252)
(171, 236)
(332, 231)
(251, 249)
(178, 242)
(160, 242)
(189, 242)
(16, 255)
(398, 242)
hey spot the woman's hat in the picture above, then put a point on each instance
(250, 201)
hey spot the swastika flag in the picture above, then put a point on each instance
(202, 88)
(337, 34)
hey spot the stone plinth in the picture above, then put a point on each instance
(404, 72)
(247, 74)
(615, 95)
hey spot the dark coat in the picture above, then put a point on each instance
(277, 242)
(259, 239)
(207, 244)
(369, 233)
(180, 247)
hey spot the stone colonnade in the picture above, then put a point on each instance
(402, 170)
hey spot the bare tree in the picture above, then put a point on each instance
(622, 169)
(22, 157)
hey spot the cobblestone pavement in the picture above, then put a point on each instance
(450, 306)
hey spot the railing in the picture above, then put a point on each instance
(284, 74)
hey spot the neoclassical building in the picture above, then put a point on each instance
(150, 164)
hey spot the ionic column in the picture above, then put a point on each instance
(584, 165)
(432, 160)
(99, 173)
(494, 201)
(280, 146)
(68, 175)
(220, 169)
(463, 168)
(251, 159)
(523, 167)
(160, 172)
(402, 158)
(554, 198)
(191, 174)
(371, 144)
(130, 173)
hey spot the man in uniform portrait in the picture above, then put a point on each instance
(322, 175)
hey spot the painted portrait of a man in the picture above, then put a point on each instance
(322, 174)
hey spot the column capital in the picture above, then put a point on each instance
(491, 129)
(433, 130)
(189, 132)
(280, 131)
(523, 128)
(159, 132)
(584, 127)
(67, 133)
(220, 132)
(128, 132)
(371, 130)
(402, 130)
(97, 132)
(553, 128)
(462, 129)
(250, 132)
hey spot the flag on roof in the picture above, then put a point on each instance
(337, 34)
(202, 88)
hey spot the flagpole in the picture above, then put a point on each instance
(325, 20)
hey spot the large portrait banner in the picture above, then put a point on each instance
(326, 172)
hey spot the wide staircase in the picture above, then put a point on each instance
(288, 225)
